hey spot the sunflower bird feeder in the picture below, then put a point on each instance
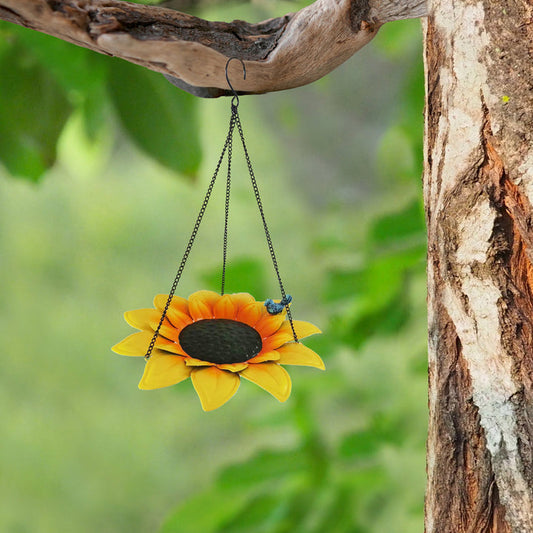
(215, 339)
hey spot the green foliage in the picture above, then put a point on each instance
(159, 118)
(206, 511)
(242, 275)
(362, 445)
(45, 80)
(400, 152)
(33, 112)
(279, 486)
(78, 70)
(395, 250)
(265, 467)
(396, 155)
(308, 489)
(397, 40)
(404, 228)
(344, 454)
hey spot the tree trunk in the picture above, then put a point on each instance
(478, 186)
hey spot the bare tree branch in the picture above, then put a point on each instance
(279, 53)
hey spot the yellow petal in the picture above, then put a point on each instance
(268, 324)
(191, 361)
(163, 370)
(141, 318)
(284, 334)
(168, 338)
(169, 346)
(201, 304)
(177, 302)
(134, 345)
(213, 386)
(148, 320)
(250, 313)
(303, 329)
(240, 299)
(273, 355)
(224, 308)
(178, 311)
(137, 344)
(271, 377)
(178, 319)
(233, 367)
(297, 354)
(166, 330)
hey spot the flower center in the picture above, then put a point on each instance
(220, 341)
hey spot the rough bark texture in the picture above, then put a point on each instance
(478, 187)
(279, 54)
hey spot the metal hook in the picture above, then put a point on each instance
(235, 99)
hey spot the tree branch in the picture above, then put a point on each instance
(280, 53)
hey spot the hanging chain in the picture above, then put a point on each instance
(228, 147)
(192, 238)
(226, 204)
(265, 226)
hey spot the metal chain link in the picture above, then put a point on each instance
(192, 237)
(228, 147)
(226, 204)
(265, 225)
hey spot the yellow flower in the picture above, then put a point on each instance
(215, 340)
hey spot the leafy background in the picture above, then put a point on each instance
(103, 167)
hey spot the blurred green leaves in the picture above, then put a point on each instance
(375, 294)
(45, 80)
(397, 40)
(159, 118)
(396, 155)
(402, 229)
(336, 478)
(33, 111)
(265, 467)
(279, 491)
(373, 297)
(206, 511)
(362, 444)
(243, 274)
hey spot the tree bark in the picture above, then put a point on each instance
(279, 53)
(478, 187)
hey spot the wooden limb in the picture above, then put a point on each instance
(280, 53)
